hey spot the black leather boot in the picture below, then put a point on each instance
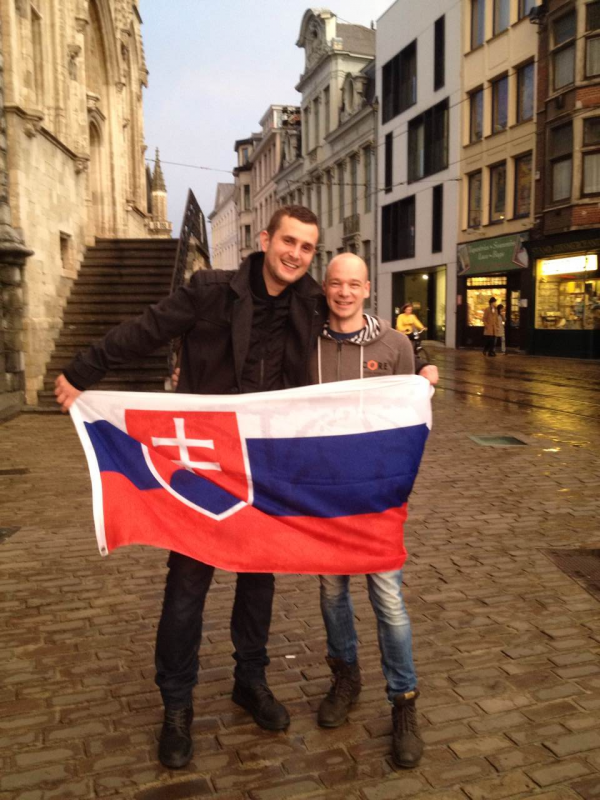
(175, 746)
(258, 699)
(407, 745)
(344, 691)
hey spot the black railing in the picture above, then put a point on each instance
(191, 237)
(193, 227)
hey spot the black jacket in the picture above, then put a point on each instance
(214, 316)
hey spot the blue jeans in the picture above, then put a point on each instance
(393, 626)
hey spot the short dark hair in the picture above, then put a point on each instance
(492, 300)
(405, 306)
(300, 213)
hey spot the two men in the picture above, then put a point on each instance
(357, 345)
(245, 331)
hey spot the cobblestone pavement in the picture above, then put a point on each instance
(507, 645)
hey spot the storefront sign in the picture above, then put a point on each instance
(502, 254)
(569, 265)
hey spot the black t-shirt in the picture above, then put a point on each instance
(263, 370)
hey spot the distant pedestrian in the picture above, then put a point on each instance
(490, 317)
(501, 329)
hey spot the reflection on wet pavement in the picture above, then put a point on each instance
(569, 387)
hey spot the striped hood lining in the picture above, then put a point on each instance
(371, 331)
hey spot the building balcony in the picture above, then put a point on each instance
(351, 225)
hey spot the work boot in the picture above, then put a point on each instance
(344, 691)
(258, 699)
(407, 745)
(175, 746)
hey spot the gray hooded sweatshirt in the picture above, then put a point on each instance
(376, 350)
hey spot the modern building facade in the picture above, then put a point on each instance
(497, 166)
(73, 79)
(418, 86)
(333, 171)
(224, 228)
(565, 243)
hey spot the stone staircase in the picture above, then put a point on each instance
(117, 280)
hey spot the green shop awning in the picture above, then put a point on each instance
(501, 254)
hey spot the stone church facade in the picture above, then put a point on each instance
(75, 152)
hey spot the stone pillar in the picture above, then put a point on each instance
(13, 255)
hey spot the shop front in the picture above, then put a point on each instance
(567, 298)
(426, 290)
(493, 268)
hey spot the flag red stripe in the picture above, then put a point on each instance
(251, 541)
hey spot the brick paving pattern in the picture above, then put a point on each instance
(507, 646)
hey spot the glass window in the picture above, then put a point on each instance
(501, 15)
(592, 57)
(477, 23)
(591, 131)
(389, 162)
(317, 118)
(592, 17)
(329, 199)
(499, 105)
(408, 76)
(564, 28)
(562, 174)
(591, 158)
(563, 59)
(476, 116)
(525, 7)
(525, 77)
(399, 82)
(398, 230)
(591, 173)
(367, 170)
(523, 182)
(479, 291)
(437, 218)
(564, 67)
(439, 53)
(567, 301)
(474, 220)
(428, 142)
(353, 185)
(498, 192)
(340, 177)
(326, 109)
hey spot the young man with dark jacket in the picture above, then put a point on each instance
(357, 345)
(250, 330)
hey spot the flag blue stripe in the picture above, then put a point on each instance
(118, 452)
(333, 476)
(320, 476)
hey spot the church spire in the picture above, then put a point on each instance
(158, 179)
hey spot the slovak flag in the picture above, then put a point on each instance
(309, 480)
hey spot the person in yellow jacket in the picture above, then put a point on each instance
(408, 322)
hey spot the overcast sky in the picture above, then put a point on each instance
(215, 67)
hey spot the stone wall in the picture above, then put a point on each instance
(76, 151)
(12, 259)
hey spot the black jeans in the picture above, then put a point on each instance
(489, 344)
(180, 627)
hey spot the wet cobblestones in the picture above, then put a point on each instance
(507, 646)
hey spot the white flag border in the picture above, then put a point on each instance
(97, 493)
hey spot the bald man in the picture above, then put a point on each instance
(357, 345)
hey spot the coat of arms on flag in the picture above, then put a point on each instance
(309, 480)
